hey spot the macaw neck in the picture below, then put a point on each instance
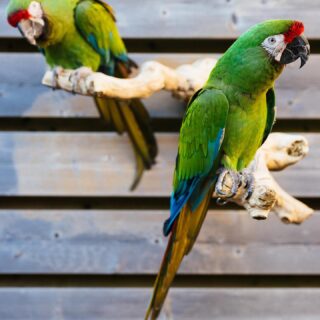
(72, 52)
(250, 71)
(59, 19)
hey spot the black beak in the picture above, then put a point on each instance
(298, 48)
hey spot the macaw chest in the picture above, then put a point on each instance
(72, 55)
(244, 134)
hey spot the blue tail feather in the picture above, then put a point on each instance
(178, 199)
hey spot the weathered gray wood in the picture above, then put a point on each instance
(184, 304)
(21, 92)
(131, 242)
(198, 19)
(102, 164)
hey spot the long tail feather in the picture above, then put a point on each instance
(131, 117)
(135, 132)
(103, 109)
(183, 236)
(110, 113)
(143, 119)
(139, 111)
(139, 170)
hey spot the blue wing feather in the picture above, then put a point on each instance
(187, 187)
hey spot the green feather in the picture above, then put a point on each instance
(271, 117)
(96, 23)
(205, 118)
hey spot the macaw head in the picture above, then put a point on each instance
(285, 42)
(257, 57)
(28, 16)
(282, 41)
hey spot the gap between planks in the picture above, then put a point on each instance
(146, 281)
(11, 45)
(160, 125)
(110, 203)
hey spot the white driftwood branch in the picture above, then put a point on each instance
(153, 77)
(277, 153)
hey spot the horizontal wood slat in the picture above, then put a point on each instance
(182, 304)
(102, 164)
(197, 19)
(131, 242)
(297, 90)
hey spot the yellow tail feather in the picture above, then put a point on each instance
(135, 133)
(137, 124)
(183, 236)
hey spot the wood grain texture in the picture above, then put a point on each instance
(102, 164)
(183, 304)
(131, 242)
(198, 19)
(297, 90)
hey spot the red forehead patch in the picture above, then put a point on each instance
(17, 16)
(295, 30)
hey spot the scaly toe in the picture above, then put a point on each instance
(56, 71)
(235, 183)
(221, 187)
(77, 76)
(249, 184)
(219, 184)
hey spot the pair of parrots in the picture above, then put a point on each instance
(225, 123)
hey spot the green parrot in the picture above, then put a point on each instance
(225, 124)
(82, 34)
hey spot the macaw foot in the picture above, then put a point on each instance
(56, 71)
(227, 185)
(77, 77)
(248, 180)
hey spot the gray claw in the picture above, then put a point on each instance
(221, 202)
(55, 71)
(235, 183)
(73, 79)
(249, 178)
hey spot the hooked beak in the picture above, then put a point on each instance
(298, 48)
(31, 29)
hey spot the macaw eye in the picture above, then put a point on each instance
(272, 40)
(35, 9)
(34, 5)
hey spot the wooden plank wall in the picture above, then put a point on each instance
(76, 244)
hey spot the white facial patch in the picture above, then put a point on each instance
(36, 13)
(275, 46)
(32, 28)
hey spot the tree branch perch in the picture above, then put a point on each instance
(153, 77)
(278, 152)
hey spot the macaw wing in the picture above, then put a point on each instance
(200, 141)
(96, 23)
(271, 115)
(201, 136)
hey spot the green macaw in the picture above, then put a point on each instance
(225, 124)
(82, 34)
